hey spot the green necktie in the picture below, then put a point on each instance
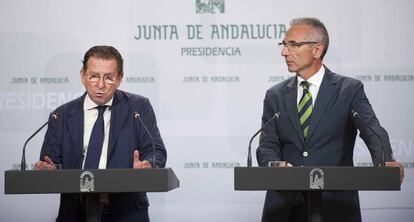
(305, 108)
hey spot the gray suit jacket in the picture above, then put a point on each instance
(332, 132)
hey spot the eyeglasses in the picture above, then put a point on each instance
(292, 45)
(96, 78)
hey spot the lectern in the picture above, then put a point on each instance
(315, 179)
(90, 182)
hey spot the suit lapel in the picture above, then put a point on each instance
(325, 95)
(119, 114)
(291, 106)
(75, 126)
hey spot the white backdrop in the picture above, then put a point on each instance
(206, 85)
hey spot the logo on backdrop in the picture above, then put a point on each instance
(316, 179)
(212, 39)
(87, 182)
(209, 6)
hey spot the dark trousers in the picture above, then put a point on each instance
(73, 209)
(135, 215)
(292, 206)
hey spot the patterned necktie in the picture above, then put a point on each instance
(305, 108)
(96, 141)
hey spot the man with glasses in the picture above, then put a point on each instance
(316, 125)
(99, 131)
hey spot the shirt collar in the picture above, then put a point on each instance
(314, 80)
(88, 104)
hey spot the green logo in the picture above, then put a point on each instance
(209, 6)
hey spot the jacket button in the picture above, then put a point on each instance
(305, 154)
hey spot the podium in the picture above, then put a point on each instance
(90, 182)
(315, 179)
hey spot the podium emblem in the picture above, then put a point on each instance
(316, 179)
(87, 182)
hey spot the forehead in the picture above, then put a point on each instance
(99, 65)
(298, 33)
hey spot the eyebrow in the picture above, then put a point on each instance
(292, 41)
(106, 74)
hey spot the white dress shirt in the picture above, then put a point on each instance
(90, 117)
(314, 85)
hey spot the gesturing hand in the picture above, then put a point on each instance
(140, 164)
(45, 165)
(396, 164)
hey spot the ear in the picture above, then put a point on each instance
(82, 76)
(317, 50)
(119, 80)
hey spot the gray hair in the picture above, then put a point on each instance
(316, 26)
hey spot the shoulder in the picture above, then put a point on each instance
(343, 80)
(134, 101)
(280, 87)
(130, 98)
(71, 106)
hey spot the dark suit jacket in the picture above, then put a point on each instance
(63, 142)
(332, 132)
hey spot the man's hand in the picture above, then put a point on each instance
(396, 164)
(45, 165)
(279, 163)
(140, 164)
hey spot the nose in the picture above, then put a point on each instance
(101, 83)
(285, 51)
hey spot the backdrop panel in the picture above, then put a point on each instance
(205, 65)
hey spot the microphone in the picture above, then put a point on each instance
(356, 116)
(249, 154)
(23, 162)
(138, 116)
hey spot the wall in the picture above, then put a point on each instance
(206, 85)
